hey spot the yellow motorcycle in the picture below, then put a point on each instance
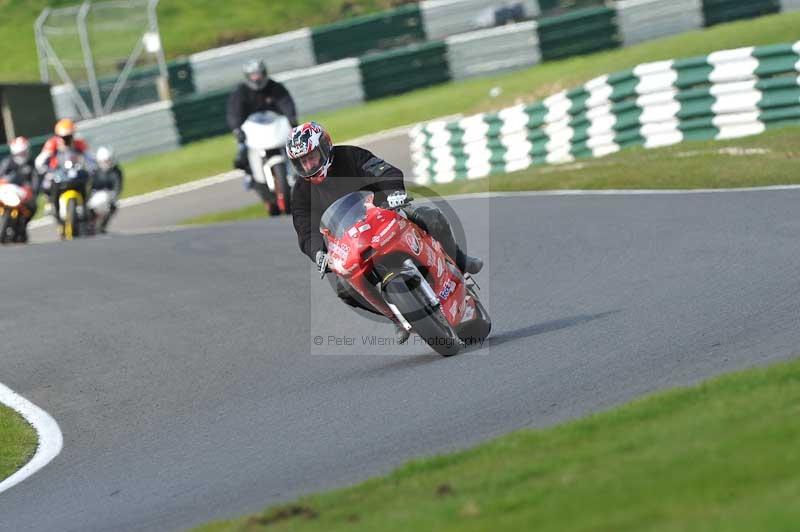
(71, 183)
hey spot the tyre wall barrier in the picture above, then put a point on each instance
(727, 94)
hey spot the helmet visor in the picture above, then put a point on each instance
(311, 163)
(256, 80)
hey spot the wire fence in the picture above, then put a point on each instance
(108, 54)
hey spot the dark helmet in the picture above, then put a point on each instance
(310, 150)
(255, 74)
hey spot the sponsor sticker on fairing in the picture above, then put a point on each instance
(439, 267)
(338, 250)
(387, 228)
(449, 286)
(387, 239)
(413, 242)
(469, 312)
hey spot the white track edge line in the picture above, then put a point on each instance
(50, 438)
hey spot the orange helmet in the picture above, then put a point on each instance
(65, 127)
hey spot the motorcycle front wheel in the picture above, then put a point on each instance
(426, 320)
(71, 222)
(283, 194)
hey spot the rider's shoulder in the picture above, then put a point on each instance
(350, 149)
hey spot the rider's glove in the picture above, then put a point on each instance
(397, 198)
(239, 134)
(322, 262)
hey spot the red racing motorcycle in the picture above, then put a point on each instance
(403, 272)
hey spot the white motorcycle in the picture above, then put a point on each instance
(99, 205)
(266, 133)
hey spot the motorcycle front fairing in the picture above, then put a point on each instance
(367, 245)
(71, 183)
(266, 133)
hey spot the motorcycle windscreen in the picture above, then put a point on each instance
(345, 213)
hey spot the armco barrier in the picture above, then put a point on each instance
(485, 52)
(718, 11)
(36, 146)
(443, 18)
(358, 36)
(144, 130)
(181, 78)
(141, 88)
(403, 70)
(646, 20)
(336, 84)
(726, 94)
(325, 87)
(580, 32)
(461, 56)
(221, 68)
(790, 5)
(201, 116)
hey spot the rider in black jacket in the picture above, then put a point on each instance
(107, 177)
(257, 93)
(329, 172)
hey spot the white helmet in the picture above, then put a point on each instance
(255, 74)
(20, 149)
(105, 158)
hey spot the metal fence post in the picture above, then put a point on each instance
(44, 71)
(152, 16)
(87, 58)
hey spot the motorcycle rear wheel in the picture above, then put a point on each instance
(6, 228)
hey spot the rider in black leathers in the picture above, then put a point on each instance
(108, 176)
(257, 93)
(329, 172)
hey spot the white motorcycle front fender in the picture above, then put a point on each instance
(100, 202)
(11, 195)
(275, 159)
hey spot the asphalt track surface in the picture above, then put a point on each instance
(183, 371)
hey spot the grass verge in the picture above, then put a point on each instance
(213, 156)
(721, 456)
(18, 441)
(251, 212)
(772, 158)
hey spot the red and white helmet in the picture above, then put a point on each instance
(20, 149)
(310, 149)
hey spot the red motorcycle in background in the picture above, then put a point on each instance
(403, 272)
(14, 213)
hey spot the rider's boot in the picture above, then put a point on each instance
(467, 263)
